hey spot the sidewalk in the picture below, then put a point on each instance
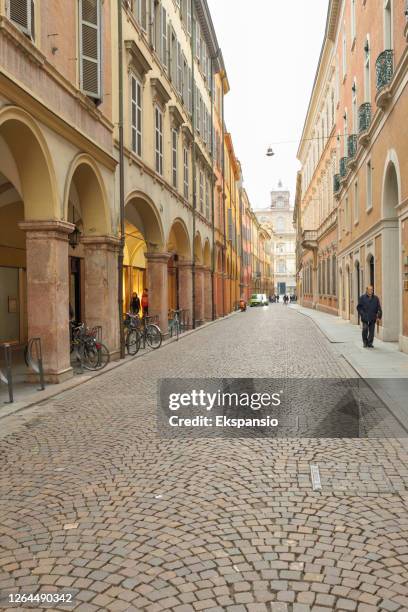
(28, 395)
(384, 368)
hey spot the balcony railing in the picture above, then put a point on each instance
(329, 222)
(384, 67)
(364, 117)
(352, 146)
(343, 167)
(336, 183)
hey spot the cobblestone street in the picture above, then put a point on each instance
(94, 503)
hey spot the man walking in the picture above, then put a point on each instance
(369, 309)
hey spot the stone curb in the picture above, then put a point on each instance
(40, 397)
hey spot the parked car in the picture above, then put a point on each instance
(258, 299)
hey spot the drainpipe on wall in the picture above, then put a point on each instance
(121, 184)
(224, 257)
(212, 194)
(193, 118)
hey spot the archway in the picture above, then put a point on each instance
(93, 287)
(390, 254)
(33, 244)
(180, 270)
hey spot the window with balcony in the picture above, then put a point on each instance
(158, 139)
(136, 115)
(367, 75)
(90, 48)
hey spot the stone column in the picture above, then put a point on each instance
(199, 294)
(48, 293)
(157, 284)
(101, 288)
(186, 288)
(208, 295)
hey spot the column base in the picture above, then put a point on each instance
(403, 344)
(51, 377)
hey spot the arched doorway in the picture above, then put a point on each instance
(178, 245)
(390, 255)
(33, 244)
(146, 266)
(93, 287)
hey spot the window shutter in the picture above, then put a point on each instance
(90, 47)
(179, 69)
(190, 90)
(20, 13)
(163, 33)
(189, 18)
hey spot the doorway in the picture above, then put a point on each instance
(75, 290)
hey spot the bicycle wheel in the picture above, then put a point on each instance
(154, 336)
(95, 357)
(133, 342)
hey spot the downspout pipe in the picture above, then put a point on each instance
(193, 119)
(121, 183)
(212, 195)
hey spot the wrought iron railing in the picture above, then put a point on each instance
(352, 146)
(364, 117)
(336, 183)
(343, 167)
(384, 67)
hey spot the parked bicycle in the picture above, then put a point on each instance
(141, 332)
(87, 347)
(175, 323)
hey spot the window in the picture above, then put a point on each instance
(201, 191)
(90, 69)
(367, 76)
(198, 40)
(388, 24)
(163, 36)
(281, 266)
(136, 115)
(140, 12)
(356, 203)
(344, 65)
(345, 133)
(354, 107)
(353, 20)
(369, 179)
(21, 13)
(179, 85)
(159, 139)
(186, 177)
(280, 224)
(207, 198)
(174, 156)
(347, 215)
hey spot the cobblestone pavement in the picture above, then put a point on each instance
(94, 503)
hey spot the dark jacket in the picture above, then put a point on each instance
(369, 308)
(135, 305)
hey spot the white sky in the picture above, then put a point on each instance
(271, 50)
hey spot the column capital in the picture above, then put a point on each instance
(184, 263)
(112, 243)
(50, 225)
(158, 257)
